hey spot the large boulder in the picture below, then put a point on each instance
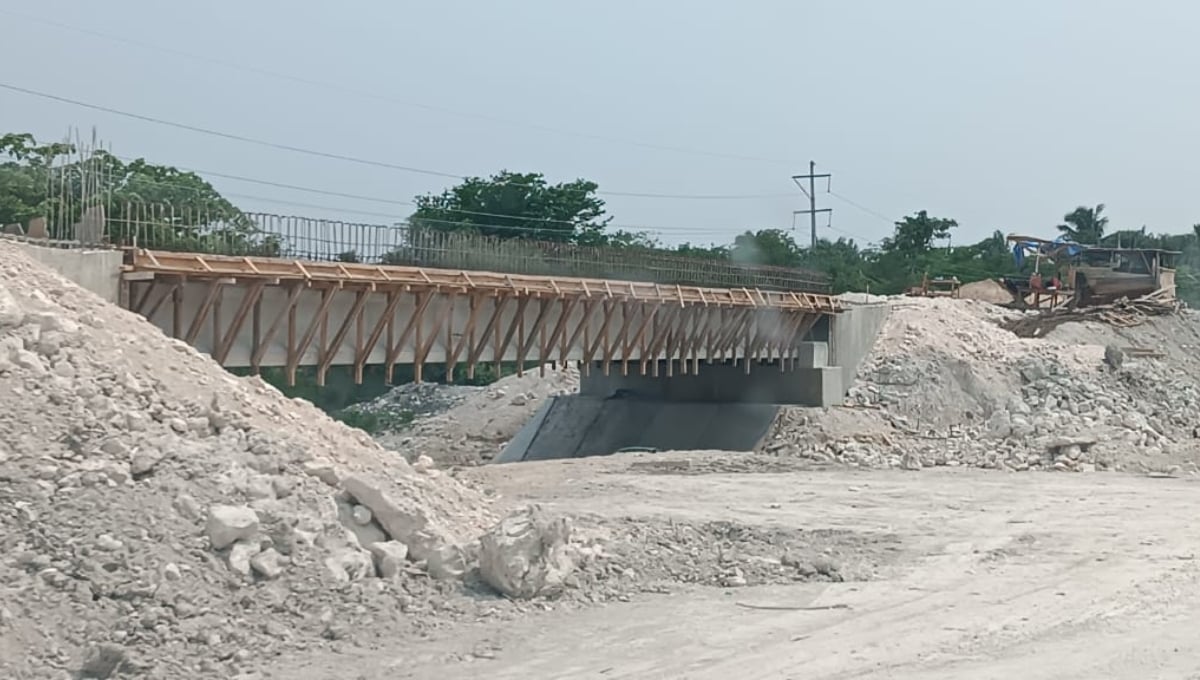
(228, 524)
(527, 554)
(445, 557)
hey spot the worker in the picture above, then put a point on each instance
(1035, 281)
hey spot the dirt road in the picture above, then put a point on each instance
(995, 575)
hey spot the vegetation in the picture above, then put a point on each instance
(517, 205)
(42, 180)
(372, 422)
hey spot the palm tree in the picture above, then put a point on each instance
(1084, 225)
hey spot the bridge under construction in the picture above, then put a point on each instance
(255, 312)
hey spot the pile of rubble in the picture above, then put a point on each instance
(158, 514)
(477, 428)
(946, 385)
(416, 400)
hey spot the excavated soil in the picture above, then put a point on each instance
(946, 385)
(160, 516)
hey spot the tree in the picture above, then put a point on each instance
(709, 252)
(915, 234)
(630, 239)
(842, 261)
(156, 206)
(24, 174)
(517, 205)
(773, 247)
(1084, 224)
(908, 254)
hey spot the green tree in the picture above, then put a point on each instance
(517, 205)
(773, 247)
(709, 252)
(156, 206)
(915, 234)
(1084, 224)
(908, 254)
(842, 261)
(24, 174)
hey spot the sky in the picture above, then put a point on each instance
(1003, 115)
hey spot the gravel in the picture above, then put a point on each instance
(946, 386)
(160, 515)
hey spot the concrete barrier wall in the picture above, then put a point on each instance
(852, 336)
(96, 270)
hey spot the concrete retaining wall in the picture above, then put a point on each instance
(576, 426)
(96, 270)
(852, 335)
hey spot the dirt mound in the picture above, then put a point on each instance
(946, 385)
(158, 514)
(476, 429)
(988, 290)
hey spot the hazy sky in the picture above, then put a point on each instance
(1001, 114)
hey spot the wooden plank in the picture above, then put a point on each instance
(352, 273)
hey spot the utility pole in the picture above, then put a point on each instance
(811, 192)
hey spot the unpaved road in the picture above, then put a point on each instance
(1037, 575)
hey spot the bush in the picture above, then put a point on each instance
(374, 423)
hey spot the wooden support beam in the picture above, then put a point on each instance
(475, 303)
(610, 347)
(607, 309)
(566, 307)
(210, 296)
(260, 348)
(140, 301)
(331, 350)
(524, 343)
(314, 325)
(250, 297)
(167, 291)
(518, 321)
(490, 330)
(589, 308)
(393, 353)
(636, 339)
(383, 322)
(662, 330)
(422, 348)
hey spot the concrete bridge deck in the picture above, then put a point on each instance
(255, 312)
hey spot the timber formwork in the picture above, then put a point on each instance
(460, 317)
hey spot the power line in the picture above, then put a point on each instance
(343, 157)
(663, 231)
(295, 187)
(861, 207)
(381, 97)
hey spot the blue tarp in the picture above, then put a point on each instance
(1060, 245)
